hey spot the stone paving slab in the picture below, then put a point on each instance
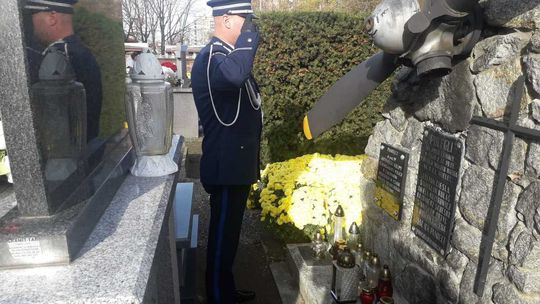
(314, 281)
(288, 289)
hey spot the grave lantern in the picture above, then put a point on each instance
(373, 271)
(319, 246)
(61, 105)
(339, 218)
(345, 275)
(353, 237)
(338, 238)
(384, 288)
(149, 104)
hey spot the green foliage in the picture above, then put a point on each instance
(288, 233)
(300, 57)
(104, 37)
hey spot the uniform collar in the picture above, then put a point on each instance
(72, 38)
(225, 45)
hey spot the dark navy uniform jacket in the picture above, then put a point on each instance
(230, 153)
(87, 72)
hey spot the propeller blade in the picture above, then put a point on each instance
(348, 92)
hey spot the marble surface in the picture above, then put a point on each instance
(17, 118)
(57, 240)
(115, 262)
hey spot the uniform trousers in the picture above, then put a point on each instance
(227, 211)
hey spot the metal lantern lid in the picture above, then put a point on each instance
(354, 229)
(367, 255)
(55, 66)
(386, 300)
(147, 67)
(385, 274)
(318, 238)
(367, 290)
(339, 212)
(375, 260)
(346, 258)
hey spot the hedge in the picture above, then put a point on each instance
(104, 37)
(301, 55)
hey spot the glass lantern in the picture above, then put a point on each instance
(353, 237)
(319, 246)
(384, 288)
(339, 220)
(345, 275)
(373, 271)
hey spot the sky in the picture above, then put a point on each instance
(200, 6)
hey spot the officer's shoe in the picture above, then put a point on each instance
(242, 296)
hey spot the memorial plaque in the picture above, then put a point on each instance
(391, 178)
(435, 200)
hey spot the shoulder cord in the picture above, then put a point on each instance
(255, 105)
(55, 43)
(212, 98)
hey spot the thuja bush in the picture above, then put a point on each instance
(301, 55)
(104, 38)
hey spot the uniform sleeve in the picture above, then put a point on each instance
(231, 71)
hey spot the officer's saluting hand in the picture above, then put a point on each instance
(250, 25)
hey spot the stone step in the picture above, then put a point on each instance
(314, 277)
(286, 285)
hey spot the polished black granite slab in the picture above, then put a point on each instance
(32, 241)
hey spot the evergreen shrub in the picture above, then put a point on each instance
(104, 37)
(301, 55)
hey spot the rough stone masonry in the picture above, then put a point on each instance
(480, 85)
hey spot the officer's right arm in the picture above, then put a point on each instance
(232, 70)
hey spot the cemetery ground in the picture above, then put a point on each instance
(258, 249)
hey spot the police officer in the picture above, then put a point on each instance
(52, 22)
(229, 106)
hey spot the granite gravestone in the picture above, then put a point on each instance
(59, 199)
(391, 179)
(438, 178)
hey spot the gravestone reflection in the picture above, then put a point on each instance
(438, 178)
(61, 103)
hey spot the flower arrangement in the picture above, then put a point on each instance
(304, 192)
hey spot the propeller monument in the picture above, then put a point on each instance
(425, 34)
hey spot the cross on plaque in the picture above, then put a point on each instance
(511, 130)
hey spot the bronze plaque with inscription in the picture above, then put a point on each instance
(438, 178)
(391, 178)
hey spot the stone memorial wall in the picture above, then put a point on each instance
(483, 85)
